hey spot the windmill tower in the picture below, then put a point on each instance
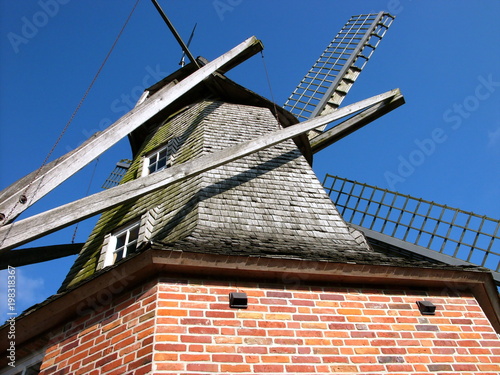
(220, 252)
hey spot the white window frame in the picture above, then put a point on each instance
(113, 241)
(170, 148)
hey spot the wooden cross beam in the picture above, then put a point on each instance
(37, 226)
(356, 122)
(23, 193)
(23, 257)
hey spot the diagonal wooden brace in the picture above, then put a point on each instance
(23, 193)
(37, 226)
(356, 122)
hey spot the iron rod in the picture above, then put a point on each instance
(176, 34)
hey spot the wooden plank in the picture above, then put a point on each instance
(356, 122)
(32, 255)
(26, 230)
(37, 184)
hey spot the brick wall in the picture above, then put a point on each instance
(113, 335)
(180, 326)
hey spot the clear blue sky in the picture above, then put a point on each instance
(443, 55)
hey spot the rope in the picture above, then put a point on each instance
(270, 89)
(73, 114)
(67, 125)
(86, 195)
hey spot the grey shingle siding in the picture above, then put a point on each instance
(268, 203)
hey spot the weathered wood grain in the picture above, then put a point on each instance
(18, 233)
(38, 183)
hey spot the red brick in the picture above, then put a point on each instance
(258, 340)
(162, 357)
(112, 365)
(393, 350)
(271, 324)
(275, 359)
(220, 348)
(363, 359)
(287, 309)
(350, 311)
(107, 359)
(256, 349)
(197, 339)
(464, 367)
(220, 314)
(305, 359)
(367, 350)
(444, 343)
(390, 359)
(251, 332)
(400, 368)
(172, 312)
(204, 367)
(344, 368)
(204, 330)
(280, 341)
(194, 357)
(436, 368)
(228, 340)
(303, 317)
(335, 359)
(227, 358)
(300, 368)
(269, 368)
(194, 321)
(279, 294)
(491, 343)
(371, 368)
(232, 369)
(490, 367)
(170, 347)
(332, 297)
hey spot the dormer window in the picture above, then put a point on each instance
(161, 158)
(122, 243)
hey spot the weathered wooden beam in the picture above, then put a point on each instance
(26, 230)
(37, 184)
(356, 122)
(32, 255)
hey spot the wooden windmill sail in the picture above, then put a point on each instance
(322, 91)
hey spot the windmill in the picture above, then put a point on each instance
(355, 42)
(213, 192)
(320, 92)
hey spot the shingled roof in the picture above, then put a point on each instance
(268, 204)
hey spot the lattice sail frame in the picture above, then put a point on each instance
(326, 84)
(451, 231)
(117, 174)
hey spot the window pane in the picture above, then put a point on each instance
(134, 233)
(131, 247)
(118, 256)
(34, 369)
(161, 164)
(120, 240)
